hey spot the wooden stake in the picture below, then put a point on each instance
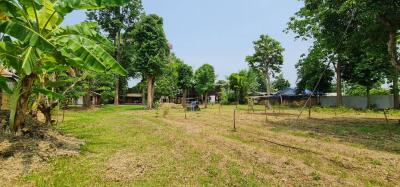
(63, 115)
(234, 120)
(265, 112)
(185, 113)
(309, 110)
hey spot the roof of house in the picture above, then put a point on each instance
(134, 95)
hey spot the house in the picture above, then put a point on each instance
(291, 97)
(95, 99)
(133, 98)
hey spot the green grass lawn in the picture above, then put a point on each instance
(129, 146)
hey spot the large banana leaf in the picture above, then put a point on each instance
(26, 35)
(27, 63)
(10, 8)
(88, 30)
(66, 6)
(89, 52)
(9, 55)
(46, 15)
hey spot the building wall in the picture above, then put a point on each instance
(359, 102)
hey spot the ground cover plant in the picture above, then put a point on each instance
(129, 146)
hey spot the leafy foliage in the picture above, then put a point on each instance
(280, 83)
(41, 44)
(268, 58)
(204, 79)
(311, 68)
(150, 46)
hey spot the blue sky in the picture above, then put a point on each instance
(221, 32)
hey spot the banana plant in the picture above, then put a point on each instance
(32, 38)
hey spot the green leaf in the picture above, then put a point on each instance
(4, 84)
(47, 92)
(89, 52)
(48, 17)
(67, 6)
(9, 8)
(88, 29)
(27, 63)
(26, 35)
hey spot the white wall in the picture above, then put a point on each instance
(360, 102)
(79, 101)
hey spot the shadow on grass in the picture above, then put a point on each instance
(366, 132)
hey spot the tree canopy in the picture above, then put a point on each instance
(205, 80)
(151, 51)
(280, 83)
(268, 58)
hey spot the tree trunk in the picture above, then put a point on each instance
(206, 100)
(184, 98)
(22, 108)
(396, 99)
(46, 111)
(339, 97)
(392, 49)
(144, 96)
(150, 92)
(118, 58)
(268, 80)
(116, 98)
(368, 98)
(86, 99)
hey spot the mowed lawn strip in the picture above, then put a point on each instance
(130, 146)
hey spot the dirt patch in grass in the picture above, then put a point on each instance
(125, 166)
(21, 154)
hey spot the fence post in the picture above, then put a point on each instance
(309, 109)
(265, 112)
(234, 120)
(185, 113)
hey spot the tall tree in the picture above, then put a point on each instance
(167, 84)
(280, 83)
(116, 22)
(185, 80)
(338, 25)
(205, 81)
(313, 73)
(268, 58)
(235, 85)
(151, 51)
(365, 69)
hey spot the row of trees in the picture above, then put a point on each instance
(354, 40)
(143, 50)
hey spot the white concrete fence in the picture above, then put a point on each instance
(359, 102)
